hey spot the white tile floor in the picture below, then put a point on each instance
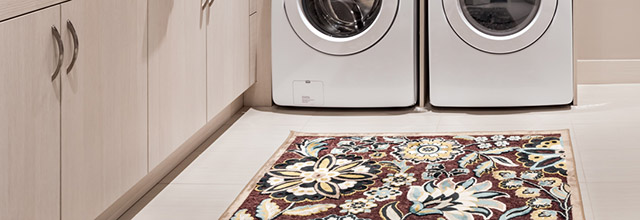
(602, 127)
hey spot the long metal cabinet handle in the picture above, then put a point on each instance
(56, 35)
(205, 3)
(210, 3)
(76, 45)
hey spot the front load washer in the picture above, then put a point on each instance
(500, 53)
(344, 53)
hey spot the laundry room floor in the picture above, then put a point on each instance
(602, 130)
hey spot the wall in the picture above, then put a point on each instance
(607, 41)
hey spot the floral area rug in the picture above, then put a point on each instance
(508, 175)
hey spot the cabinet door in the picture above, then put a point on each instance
(29, 117)
(228, 53)
(104, 105)
(177, 74)
(10, 8)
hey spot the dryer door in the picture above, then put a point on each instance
(341, 27)
(500, 26)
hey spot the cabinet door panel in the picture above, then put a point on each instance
(177, 74)
(227, 53)
(104, 105)
(29, 117)
(10, 8)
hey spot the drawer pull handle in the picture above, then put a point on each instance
(76, 45)
(56, 35)
(205, 3)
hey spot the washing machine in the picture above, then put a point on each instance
(344, 53)
(500, 53)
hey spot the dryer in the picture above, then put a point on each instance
(344, 53)
(500, 53)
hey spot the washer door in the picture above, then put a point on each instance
(500, 26)
(341, 27)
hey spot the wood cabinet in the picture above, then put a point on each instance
(137, 79)
(228, 53)
(29, 117)
(177, 74)
(104, 104)
(12, 8)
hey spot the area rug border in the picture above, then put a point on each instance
(572, 178)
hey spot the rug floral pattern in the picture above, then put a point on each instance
(415, 177)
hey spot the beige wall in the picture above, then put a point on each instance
(607, 41)
(607, 29)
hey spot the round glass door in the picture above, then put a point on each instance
(341, 27)
(500, 17)
(500, 26)
(341, 18)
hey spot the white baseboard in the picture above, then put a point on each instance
(608, 71)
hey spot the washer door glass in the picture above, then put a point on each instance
(341, 27)
(500, 17)
(500, 26)
(341, 18)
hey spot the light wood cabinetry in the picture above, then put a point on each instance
(104, 105)
(228, 53)
(29, 117)
(177, 74)
(12, 8)
(139, 79)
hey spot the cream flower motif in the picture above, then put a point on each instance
(358, 206)
(511, 184)
(497, 137)
(531, 175)
(336, 217)
(321, 175)
(481, 139)
(502, 143)
(550, 181)
(453, 200)
(485, 145)
(514, 138)
(314, 179)
(539, 203)
(428, 150)
(399, 179)
(242, 215)
(525, 192)
(504, 174)
(383, 193)
(542, 214)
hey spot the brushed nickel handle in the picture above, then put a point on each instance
(210, 2)
(76, 45)
(205, 3)
(56, 35)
